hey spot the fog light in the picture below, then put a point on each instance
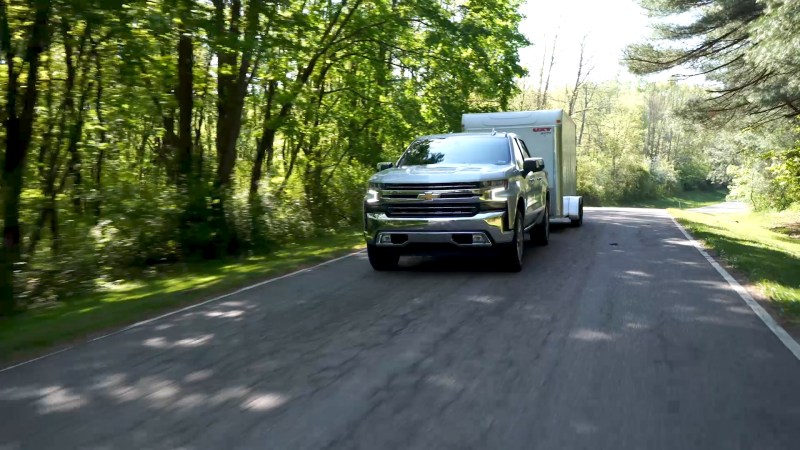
(479, 238)
(385, 239)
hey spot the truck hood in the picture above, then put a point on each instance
(442, 174)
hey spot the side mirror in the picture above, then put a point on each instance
(385, 165)
(533, 165)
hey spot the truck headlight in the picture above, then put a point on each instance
(494, 190)
(495, 184)
(373, 193)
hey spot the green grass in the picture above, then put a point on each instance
(684, 200)
(137, 299)
(765, 247)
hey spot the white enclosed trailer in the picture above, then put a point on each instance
(550, 135)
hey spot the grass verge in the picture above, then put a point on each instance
(180, 285)
(683, 200)
(759, 245)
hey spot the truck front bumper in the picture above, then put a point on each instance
(464, 232)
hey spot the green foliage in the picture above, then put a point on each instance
(747, 47)
(759, 165)
(634, 143)
(290, 105)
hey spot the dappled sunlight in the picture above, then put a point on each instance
(156, 342)
(638, 326)
(160, 342)
(165, 394)
(263, 401)
(446, 381)
(688, 263)
(57, 399)
(191, 401)
(195, 341)
(677, 241)
(21, 393)
(225, 314)
(740, 310)
(197, 376)
(485, 299)
(163, 390)
(227, 394)
(638, 273)
(235, 304)
(714, 284)
(715, 320)
(109, 381)
(587, 335)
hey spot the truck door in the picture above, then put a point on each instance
(530, 189)
(539, 183)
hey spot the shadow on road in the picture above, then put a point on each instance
(482, 262)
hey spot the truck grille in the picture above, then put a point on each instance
(431, 186)
(414, 195)
(436, 209)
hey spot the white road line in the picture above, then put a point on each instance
(187, 308)
(774, 326)
(36, 359)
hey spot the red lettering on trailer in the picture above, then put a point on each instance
(542, 130)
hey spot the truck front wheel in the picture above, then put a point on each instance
(382, 259)
(540, 235)
(512, 253)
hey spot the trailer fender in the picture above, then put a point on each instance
(572, 206)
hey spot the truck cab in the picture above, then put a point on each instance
(462, 192)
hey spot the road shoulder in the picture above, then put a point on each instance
(786, 328)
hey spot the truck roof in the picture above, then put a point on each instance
(470, 133)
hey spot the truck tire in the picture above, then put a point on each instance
(579, 221)
(382, 259)
(512, 253)
(540, 235)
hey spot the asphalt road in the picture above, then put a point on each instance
(618, 335)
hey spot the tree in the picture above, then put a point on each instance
(745, 46)
(584, 70)
(21, 99)
(149, 125)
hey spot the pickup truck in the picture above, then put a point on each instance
(458, 193)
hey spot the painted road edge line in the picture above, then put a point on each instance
(184, 309)
(762, 314)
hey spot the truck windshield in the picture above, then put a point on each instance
(457, 150)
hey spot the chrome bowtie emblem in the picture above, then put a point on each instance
(428, 196)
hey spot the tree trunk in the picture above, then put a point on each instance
(19, 130)
(103, 138)
(184, 95)
(266, 144)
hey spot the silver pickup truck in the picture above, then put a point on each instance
(457, 192)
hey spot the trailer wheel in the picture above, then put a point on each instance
(579, 221)
(540, 235)
(382, 259)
